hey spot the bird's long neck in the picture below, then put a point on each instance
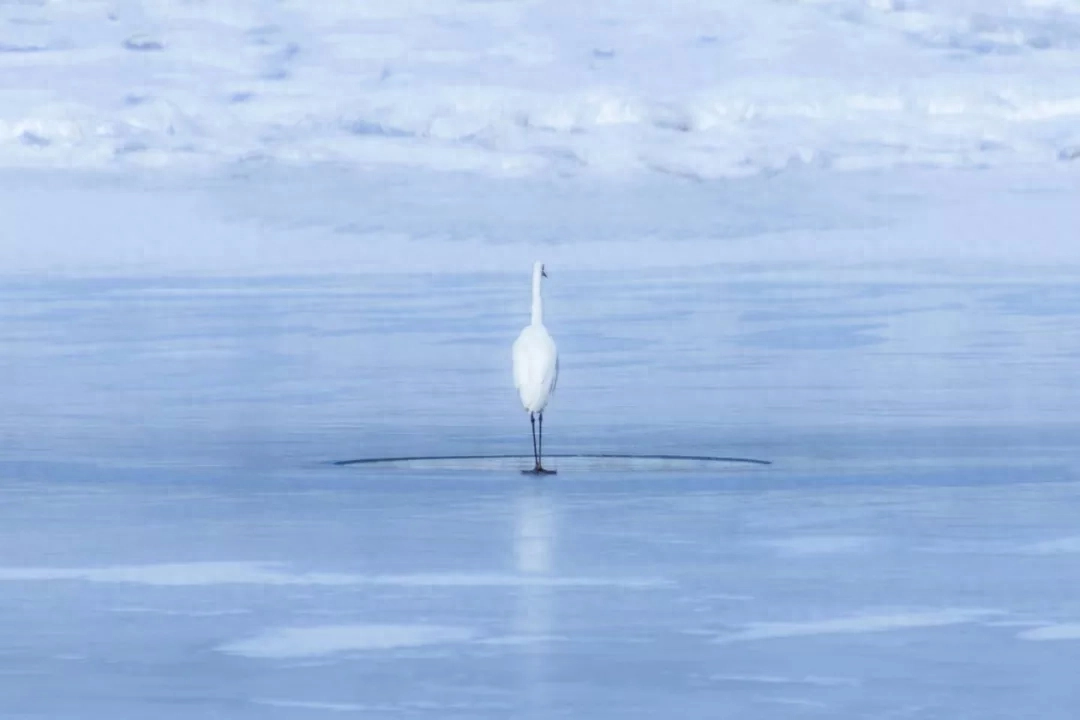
(537, 302)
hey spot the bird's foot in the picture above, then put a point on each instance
(539, 470)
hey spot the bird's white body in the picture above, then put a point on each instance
(536, 361)
(536, 367)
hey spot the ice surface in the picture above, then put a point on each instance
(805, 225)
(244, 239)
(177, 541)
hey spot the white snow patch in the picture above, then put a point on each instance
(254, 573)
(513, 640)
(138, 610)
(299, 642)
(1065, 631)
(812, 680)
(859, 624)
(1065, 545)
(411, 706)
(179, 574)
(326, 706)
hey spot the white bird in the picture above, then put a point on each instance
(536, 367)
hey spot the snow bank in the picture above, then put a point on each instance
(519, 88)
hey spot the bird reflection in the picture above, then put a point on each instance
(535, 527)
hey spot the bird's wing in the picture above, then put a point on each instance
(555, 375)
(521, 362)
(536, 362)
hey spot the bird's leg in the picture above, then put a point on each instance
(540, 451)
(536, 453)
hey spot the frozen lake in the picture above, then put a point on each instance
(241, 240)
(177, 542)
